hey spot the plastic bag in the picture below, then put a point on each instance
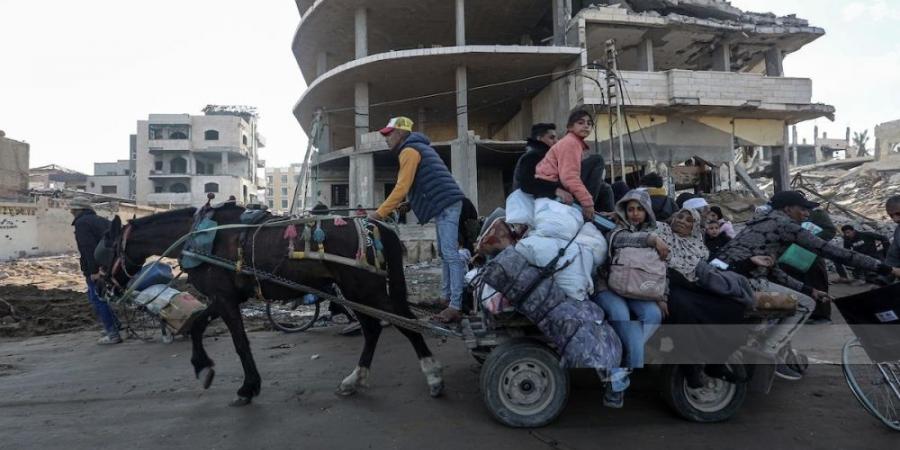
(553, 219)
(520, 208)
(575, 279)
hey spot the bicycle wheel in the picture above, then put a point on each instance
(875, 385)
(136, 321)
(292, 316)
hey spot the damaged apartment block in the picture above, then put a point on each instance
(701, 81)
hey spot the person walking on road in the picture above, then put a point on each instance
(89, 230)
(433, 194)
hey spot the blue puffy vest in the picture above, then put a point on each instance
(433, 188)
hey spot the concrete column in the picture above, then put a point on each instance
(721, 58)
(645, 56)
(460, 22)
(224, 168)
(361, 33)
(780, 156)
(794, 143)
(420, 120)
(463, 151)
(361, 111)
(362, 180)
(562, 12)
(527, 117)
(324, 144)
(321, 63)
(561, 93)
(774, 60)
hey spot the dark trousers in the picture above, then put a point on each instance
(817, 277)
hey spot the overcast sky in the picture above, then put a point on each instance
(75, 76)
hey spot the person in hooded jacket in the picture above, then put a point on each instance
(89, 230)
(637, 228)
(433, 194)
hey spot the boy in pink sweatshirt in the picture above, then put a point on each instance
(563, 162)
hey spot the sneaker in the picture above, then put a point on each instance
(783, 371)
(612, 399)
(109, 340)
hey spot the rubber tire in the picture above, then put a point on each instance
(287, 329)
(673, 392)
(510, 353)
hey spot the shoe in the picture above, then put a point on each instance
(783, 371)
(448, 315)
(109, 340)
(612, 399)
(353, 328)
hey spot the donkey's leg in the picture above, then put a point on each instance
(359, 378)
(203, 364)
(430, 367)
(231, 314)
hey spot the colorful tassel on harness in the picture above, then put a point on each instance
(319, 235)
(290, 232)
(339, 222)
(378, 245)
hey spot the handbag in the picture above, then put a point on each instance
(637, 273)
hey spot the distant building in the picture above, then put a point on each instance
(55, 177)
(280, 185)
(13, 167)
(180, 158)
(111, 178)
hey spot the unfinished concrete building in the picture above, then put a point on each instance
(698, 79)
(181, 158)
(13, 167)
(887, 141)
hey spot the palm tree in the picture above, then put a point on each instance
(860, 140)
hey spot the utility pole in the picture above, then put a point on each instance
(615, 100)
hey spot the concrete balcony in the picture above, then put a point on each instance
(162, 174)
(167, 198)
(160, 145)
(751, 94)
(241, 151)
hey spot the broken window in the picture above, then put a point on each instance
(178, 188)
(157, 165)
(211, 135)
(178, 135)
(211, 187)
(158, 189)
(340, 195)
(108, 189)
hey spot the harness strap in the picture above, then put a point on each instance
(321, 256)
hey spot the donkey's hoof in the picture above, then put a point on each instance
(345, 390)
(240, 401)
(436, 390)
(206, 376)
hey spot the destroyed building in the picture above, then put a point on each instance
(53, 177)
(699, 78)
(13, 167)
(181, 158)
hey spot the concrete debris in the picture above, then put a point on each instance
(863, 189)
(738, 207)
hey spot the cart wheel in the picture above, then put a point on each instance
(875, 385)
(717, 401)
(523, 384)
(797, 361)
(293, 316)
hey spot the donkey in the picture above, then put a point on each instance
(266, 249)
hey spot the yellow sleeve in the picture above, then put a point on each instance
(409, 162)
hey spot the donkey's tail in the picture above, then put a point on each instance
(393, 255)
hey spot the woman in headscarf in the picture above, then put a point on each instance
(702, 295)
(637, 228)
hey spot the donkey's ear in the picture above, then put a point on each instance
(134, 217)
(115, 227)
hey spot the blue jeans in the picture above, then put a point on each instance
(103, 311)
(454, 268)
(633, 333)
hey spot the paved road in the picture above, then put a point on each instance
(64, 392)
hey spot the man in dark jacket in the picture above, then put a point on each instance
(543, 136)
(770, 234)
(864, 242)
(433, 194)
(663, 205)
(89, 230)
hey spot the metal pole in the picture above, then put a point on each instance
(300, 190)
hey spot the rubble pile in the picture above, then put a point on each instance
(738, 206)
(52, 272)
(863, 189)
